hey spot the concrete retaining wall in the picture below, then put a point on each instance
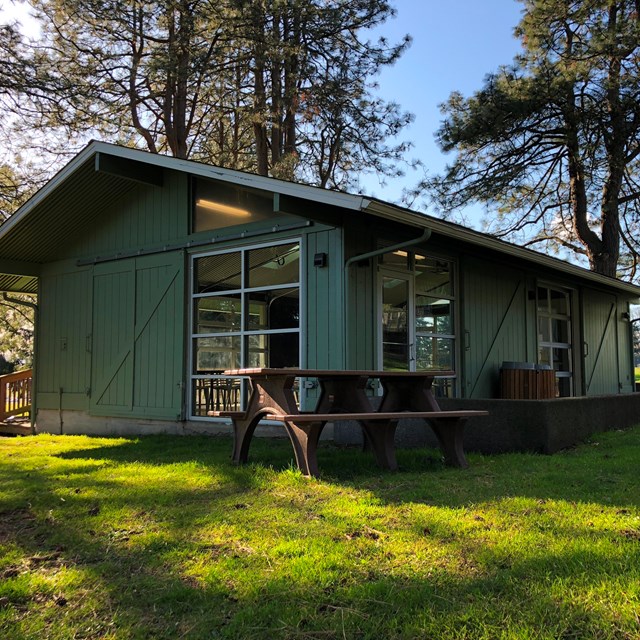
(543, 426)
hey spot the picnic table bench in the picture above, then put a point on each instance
(343, 397)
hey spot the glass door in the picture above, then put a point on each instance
(397, 322)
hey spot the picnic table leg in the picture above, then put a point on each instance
(449, 432)
(380, 437)
(304, 439)
(242, 434)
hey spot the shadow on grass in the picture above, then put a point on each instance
(142, 587)
(604, 471)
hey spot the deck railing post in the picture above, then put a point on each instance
(15, 394)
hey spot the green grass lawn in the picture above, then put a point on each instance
(162, 538)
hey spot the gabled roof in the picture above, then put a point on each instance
(77, 194)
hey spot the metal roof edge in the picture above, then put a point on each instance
(339, 199)
(452, 230)
(307, 192)
(265, 183)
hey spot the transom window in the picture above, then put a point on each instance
(217, 205)
(245, 313)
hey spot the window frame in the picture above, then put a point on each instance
(244, 292)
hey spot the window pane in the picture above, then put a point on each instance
(543, 303)
(433, 276)
(434, 353)
(221, 272)
(544, 356)
(560, 330)
(395, 258)
(395, 330)
(274, 350)
(270, 266)
(217, 354)
(219, 314)
(561, 361)
(559, 303)
(544, 334)
(395, 356)
(433, 315)
(215, 394)
(279, 309)
(218, 205)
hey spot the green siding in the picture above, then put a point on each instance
(324, 301)
(600, 336)
(493, 307)
(138, 351)
(362, 314)
(144, 216)
(64, 340)
(626, 376)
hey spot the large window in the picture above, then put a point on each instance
(245, 313)
(554, 335)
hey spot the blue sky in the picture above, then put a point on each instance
(455, 44)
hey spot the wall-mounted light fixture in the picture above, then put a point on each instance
(320, 260)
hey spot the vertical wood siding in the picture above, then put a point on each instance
(64, 338)
(494, 324)
(600, 336)
(626, 376)
(144, 216)
(324, 301)
(138, 328)
(361, 337)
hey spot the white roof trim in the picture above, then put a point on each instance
(459, 232)
(336, 198)
(306, 192)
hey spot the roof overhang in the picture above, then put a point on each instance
(464, 234)
(33, 235)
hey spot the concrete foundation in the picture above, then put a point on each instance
(81, 423)
(542, 426)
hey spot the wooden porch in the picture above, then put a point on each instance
(15, 403)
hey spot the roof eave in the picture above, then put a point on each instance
(389, 211)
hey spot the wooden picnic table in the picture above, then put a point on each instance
(343, 396)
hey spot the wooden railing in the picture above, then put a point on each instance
(15, 394)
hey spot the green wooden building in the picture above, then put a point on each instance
(154, 274)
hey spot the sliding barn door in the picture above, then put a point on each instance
(138, 337)
(601, 367)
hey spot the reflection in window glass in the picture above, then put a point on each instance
(215, 354)
(269, 266)
(246, 313)
(217, 273)
(280, 309)
(554, 335)
(435, 332)
(434, 353)
(218, 205)
(433, 315)
(222, 313)
(433, 276)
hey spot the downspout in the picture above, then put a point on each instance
(33, 306)
(426, 234)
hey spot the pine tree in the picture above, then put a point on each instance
(551, 142)
(279, 87)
